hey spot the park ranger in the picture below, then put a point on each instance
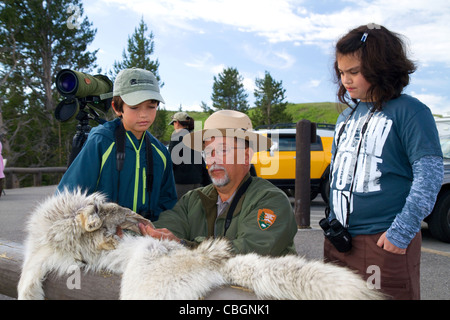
(249, 211)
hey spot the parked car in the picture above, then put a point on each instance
(278, 164)
(439, 219)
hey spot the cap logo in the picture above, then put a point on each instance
(134, 82)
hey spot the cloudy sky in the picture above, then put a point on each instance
(291, 39)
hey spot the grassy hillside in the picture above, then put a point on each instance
(323, 112)
(320, 112)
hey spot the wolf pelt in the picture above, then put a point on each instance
(70, 229)
(73, 228)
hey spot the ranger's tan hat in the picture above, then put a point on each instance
(227, 123)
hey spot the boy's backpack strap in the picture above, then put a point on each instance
(149, 156)
(119, 135)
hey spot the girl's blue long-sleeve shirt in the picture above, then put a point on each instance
(94, 170)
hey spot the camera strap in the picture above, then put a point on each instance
(362, 133)
(338, 139)
(120, 136)
(233, 204)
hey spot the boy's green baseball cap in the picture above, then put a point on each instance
(136, 85)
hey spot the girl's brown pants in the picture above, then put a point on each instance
(398, 276)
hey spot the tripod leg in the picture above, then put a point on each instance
(79, 139)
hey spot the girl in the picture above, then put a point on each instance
(387, 163)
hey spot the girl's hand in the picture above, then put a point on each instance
(384, 243)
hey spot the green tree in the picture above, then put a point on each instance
(270, 102)
(140, 47)
(229, 92)
(36, 42)
(206, 108)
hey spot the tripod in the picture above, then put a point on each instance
(83, 129)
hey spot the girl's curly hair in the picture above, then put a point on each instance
(384, 63)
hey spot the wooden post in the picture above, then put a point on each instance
(305, 134)
(37, 179)
(12, 181)
(10, 264)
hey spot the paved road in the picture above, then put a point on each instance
(17, 204)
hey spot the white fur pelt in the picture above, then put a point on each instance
(295, 278)
(73, 228)
(181, 273)
(70, 229)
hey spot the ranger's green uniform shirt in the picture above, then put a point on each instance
(263, 221)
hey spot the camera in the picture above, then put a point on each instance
(81, 89)
(337, 234)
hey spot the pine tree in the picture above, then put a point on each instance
(140, 47)
(229, 92)
(206, 108)
(35, 44)
(270, 104)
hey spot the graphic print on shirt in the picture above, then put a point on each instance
(367, 165)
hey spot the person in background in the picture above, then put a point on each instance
(387, 166)
(190, 172)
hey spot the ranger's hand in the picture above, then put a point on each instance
(163, 233)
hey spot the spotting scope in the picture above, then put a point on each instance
(83, 94)
(81, 89)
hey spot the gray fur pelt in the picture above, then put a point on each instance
(72, 228)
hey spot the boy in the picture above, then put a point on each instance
(140, 177)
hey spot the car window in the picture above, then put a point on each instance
(445, 145)
(287, 143)
(443, 127)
